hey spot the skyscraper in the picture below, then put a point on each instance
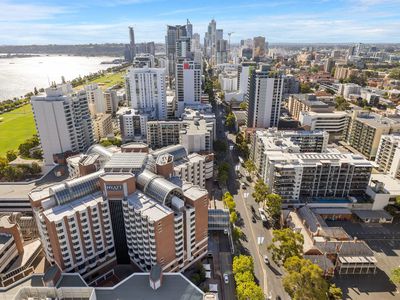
(63, 121)
(132, 43)
(174, 33)
(264, 97)
(258, 47)
(147, 91)
(187, 84)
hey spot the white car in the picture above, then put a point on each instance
(262, 214)
(226, 278)
(266, 260)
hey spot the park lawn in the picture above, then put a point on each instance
(107, 80)
(16, 126)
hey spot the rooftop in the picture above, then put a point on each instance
(148, 207)
(126, 161)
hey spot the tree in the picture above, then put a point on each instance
(243, 277)
(305, 88)
(335, 293)
(249, 291)
(242, 263)
(260, 191)
(35, 168)
(286, 243)
(223, 172)
(273, 206)
(105, 143)
(395, 74)
(233, 217)
(395, 276)
(341, 104)
(11, 155)
(237, 233)
(239, 138)
(304, 280)
(35, 91)
(243, 105)
(230, 120)
(250, 167)
(227, 199)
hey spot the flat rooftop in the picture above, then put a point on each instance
(58, 212)
(193, 192)
(126, 161)
(148, 206)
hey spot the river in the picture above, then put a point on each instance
(19, 76)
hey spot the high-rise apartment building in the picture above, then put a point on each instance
(307, 176)
(265, 141)
(63, 121)
(264, 98)
(163, 133)
(130, 212)
(147, 91)
(96, 101)
(365, 129)
(258, 47)
(111, 99)
(388, 155)
(187, 84)
(133, 125)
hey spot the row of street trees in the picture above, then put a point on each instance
(243, 271)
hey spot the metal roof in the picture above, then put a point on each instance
(177, 151)
(126, 161)
(99, 149)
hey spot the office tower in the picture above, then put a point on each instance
(63, 121)
(132, 42)
(183, 48)
(189, 29)
(258, 47)
(187, 84)
(146, 48)
(174, 33)
(329, 65)
(264, 98)
(388, 155)
(195, 46)
(147, 91)
(128, 212)
(95, 98)
(221, 51)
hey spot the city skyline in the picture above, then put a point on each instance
(56, 22)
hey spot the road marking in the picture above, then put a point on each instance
(259, 257)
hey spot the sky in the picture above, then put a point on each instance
(24, 22)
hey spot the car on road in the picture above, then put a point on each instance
(253, 219)
(226, 278)
(266, 260)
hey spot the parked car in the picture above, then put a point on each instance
(226, 278)
(253, 219)
(266, 260)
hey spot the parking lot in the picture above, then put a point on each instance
(384, 240)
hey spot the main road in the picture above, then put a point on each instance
(257, 237)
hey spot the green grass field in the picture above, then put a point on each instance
(107, 80)
(15, 127)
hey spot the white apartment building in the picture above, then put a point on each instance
(347, 89)
(228, 81)
(332, 122)
(147, 91)
(96, 100)
(264, 99)
(187, 84)
(388, 155)
(305, 176)
(133, 125)
(266, 141)
(63, 121)
(197, 136)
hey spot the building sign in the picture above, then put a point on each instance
(114, 187)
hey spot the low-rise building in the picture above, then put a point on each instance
(334, 123)
(307, 102)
